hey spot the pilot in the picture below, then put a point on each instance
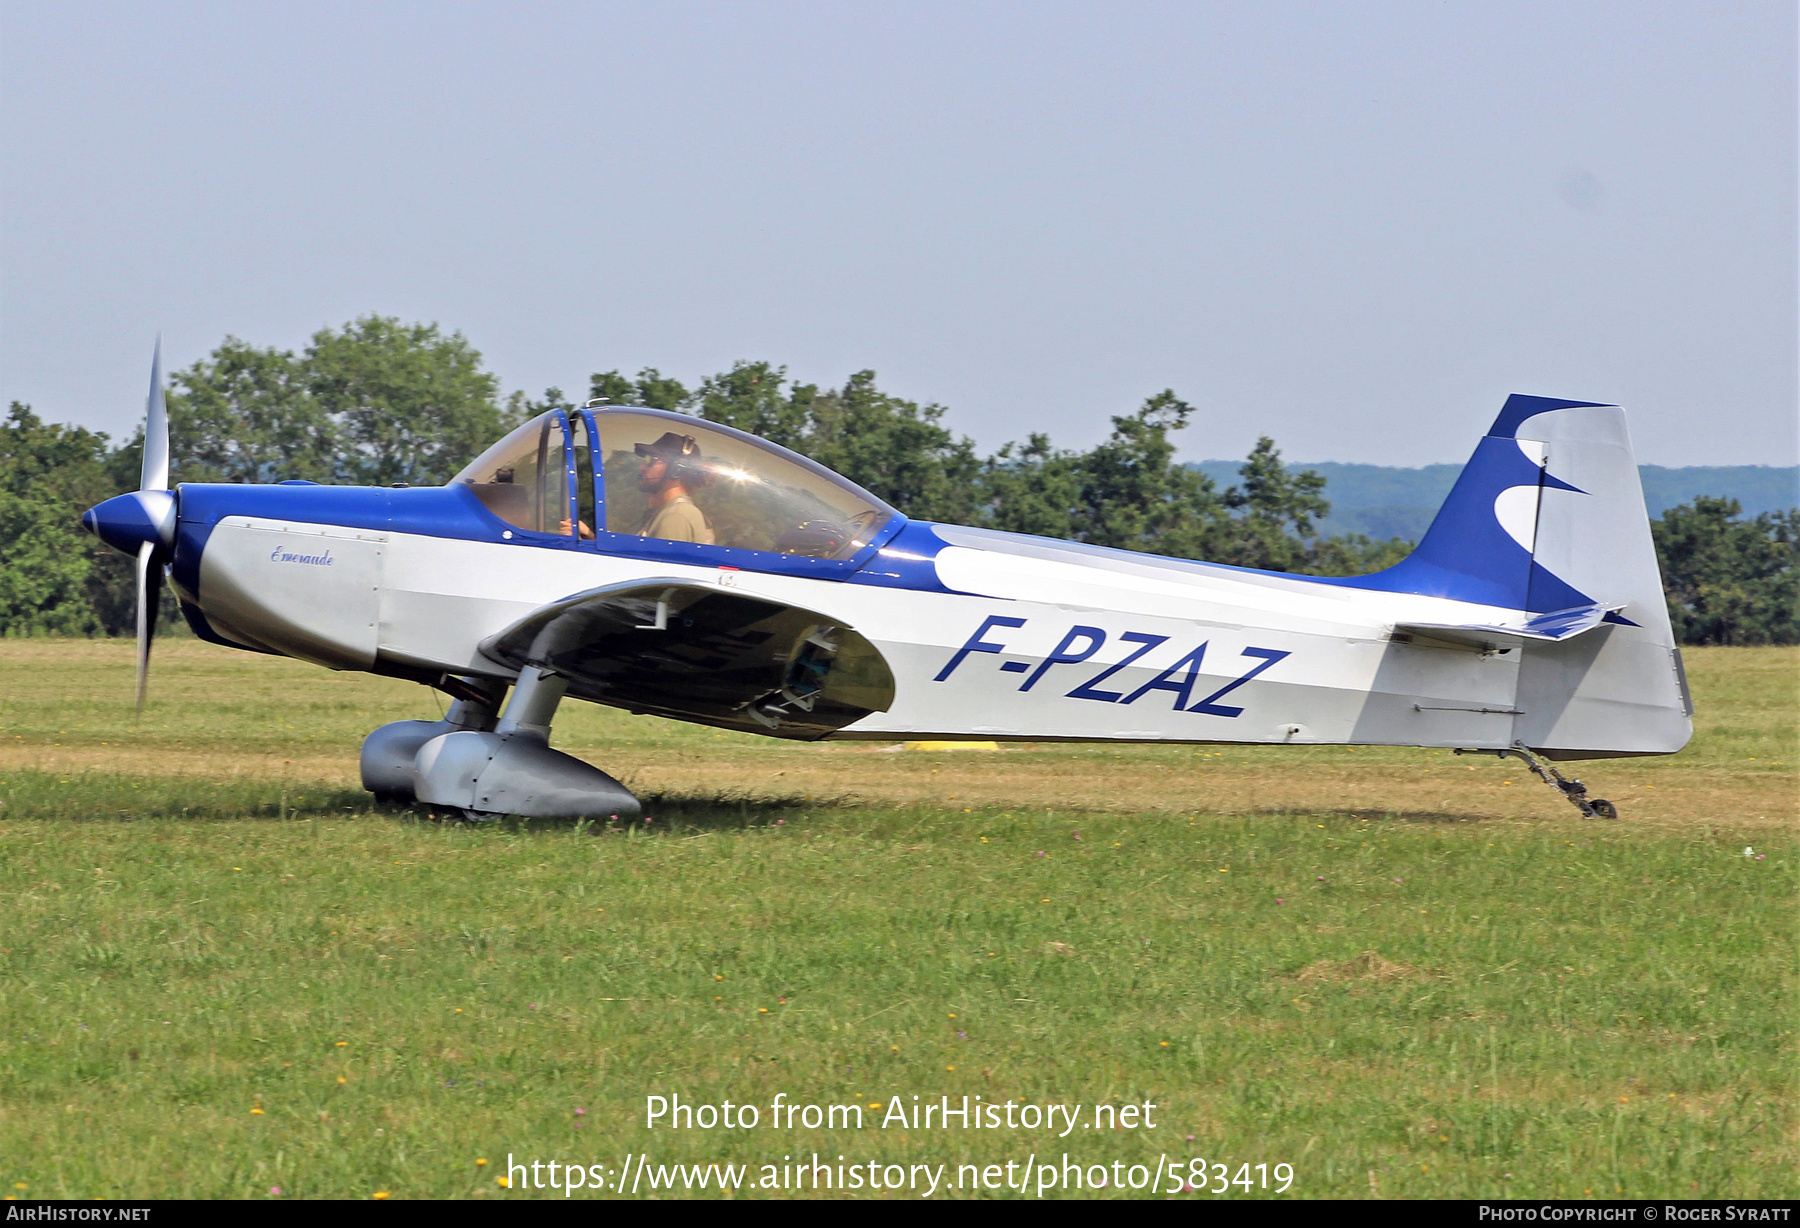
(668, 468)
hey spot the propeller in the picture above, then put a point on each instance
(143, 522)
(149, 596)
(153, 477)
(155, 473)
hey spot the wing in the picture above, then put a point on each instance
(702, 653)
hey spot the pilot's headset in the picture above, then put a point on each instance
(682, 455)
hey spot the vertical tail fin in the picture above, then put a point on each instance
(1482, 546)
(1548, 516)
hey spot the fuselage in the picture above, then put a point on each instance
(988, 635)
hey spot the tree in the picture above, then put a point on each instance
(897, 449)
(1135, 497)
(411, 405)
(751, 397)
(1275, 512)
(520, 407)
(651, 389)
(1033, 487)
(1352, 554)
(245, 414)
(49, 474)
(1729, 581)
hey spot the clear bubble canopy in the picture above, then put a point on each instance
(676, 478)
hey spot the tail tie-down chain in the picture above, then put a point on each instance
(1574, 790)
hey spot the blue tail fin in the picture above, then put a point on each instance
(1547, 522)
(1480, 547)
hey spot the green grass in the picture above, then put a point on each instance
(1555, 1008)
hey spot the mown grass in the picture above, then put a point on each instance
(204, 918)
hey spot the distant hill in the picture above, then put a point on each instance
(1387, 501)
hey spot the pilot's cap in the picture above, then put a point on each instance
(682, 455)
(671, 447)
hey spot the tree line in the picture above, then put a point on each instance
(380, 402)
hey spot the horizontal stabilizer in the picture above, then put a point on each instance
(1552, 627)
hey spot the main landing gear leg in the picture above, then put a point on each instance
(512, 770)
(1573, 790)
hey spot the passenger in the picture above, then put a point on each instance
(669, 467)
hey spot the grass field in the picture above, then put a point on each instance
(1404, 974)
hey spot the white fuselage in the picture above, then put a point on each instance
(1284, 659)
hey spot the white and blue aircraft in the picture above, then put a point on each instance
(662, 564)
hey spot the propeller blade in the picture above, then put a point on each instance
(155, 474)
(149, 599)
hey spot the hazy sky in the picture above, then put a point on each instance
(1354, 227)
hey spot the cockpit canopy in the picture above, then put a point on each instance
(674, 478)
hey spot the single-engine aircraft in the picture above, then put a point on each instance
(663, 564)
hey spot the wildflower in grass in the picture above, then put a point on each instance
(762, 1010)
(1278, 899)
(342, 1080)
(504, 1183)
(341, 1044)
(481, 1162)
(256, 1112)
(581, 1112)
(381, 1195)
(275, 1190)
